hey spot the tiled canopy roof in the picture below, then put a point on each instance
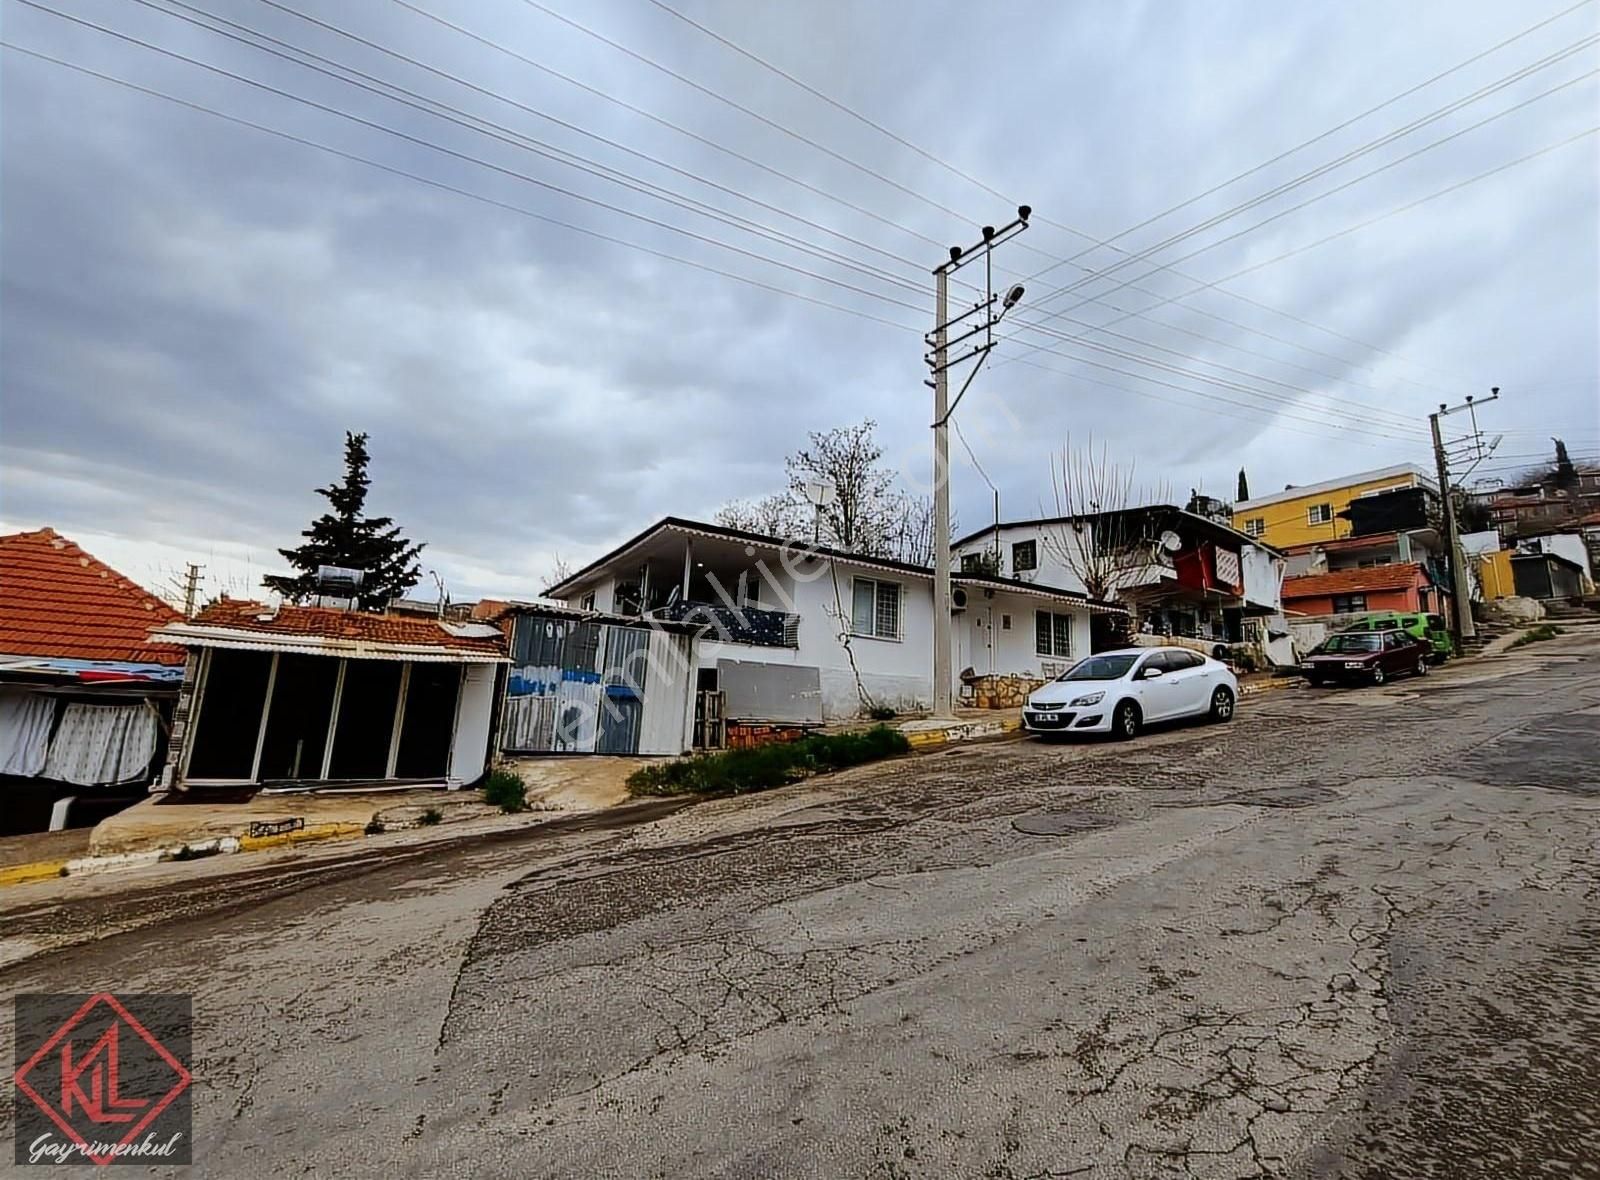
(1378, 577)
(317, 622)
(57, 600)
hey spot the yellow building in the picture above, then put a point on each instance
(1303, 515)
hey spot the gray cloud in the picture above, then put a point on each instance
(192, 312)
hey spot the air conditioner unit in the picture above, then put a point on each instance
(958, 598)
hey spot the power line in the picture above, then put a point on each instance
(450, 188)
(756, 115)
(536, 112)
(1098, 242)
(538, 147)
(1334, 130)
(467, 157)
(1336, 189)
(651, 190)
(930, 156)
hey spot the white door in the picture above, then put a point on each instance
(474, 713)
(1159, 696)
(1192, 676)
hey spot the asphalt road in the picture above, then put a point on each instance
(1354, 934)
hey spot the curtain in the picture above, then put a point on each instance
(102, 744)
(24, 732)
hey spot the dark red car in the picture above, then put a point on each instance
(1370, 657)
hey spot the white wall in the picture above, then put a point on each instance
(985, 645)
(1263, 577)
(1050, 540)
(1487, 541)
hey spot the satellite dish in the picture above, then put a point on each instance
(820, 492)
(1171, 542)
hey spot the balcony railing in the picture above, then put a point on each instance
(746, 624)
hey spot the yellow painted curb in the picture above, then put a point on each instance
(918, 739)
(311, 832)
(38, 870)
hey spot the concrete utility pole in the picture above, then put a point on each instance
(1461, 587)
(191, 589)
(941, 363)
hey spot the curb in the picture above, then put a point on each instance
(1274, 685)
(967, 731)
(84, 866)
(38, 870)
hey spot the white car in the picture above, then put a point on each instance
(1117, 692)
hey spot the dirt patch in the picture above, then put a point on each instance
(1063, 823)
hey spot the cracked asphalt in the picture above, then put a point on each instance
(1353, 934)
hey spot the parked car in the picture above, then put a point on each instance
(1370, 657)
(1118, 692)
(1429, 628)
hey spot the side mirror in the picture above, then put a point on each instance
(1151, 673)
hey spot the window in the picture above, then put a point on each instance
(1177, 661)
(587, 602)
(1052, 634)
(1255, 526)
(875, 609)
(1024, 556)
(1319, 514)
(1005, 622)
(972, 563)
(1344, 604)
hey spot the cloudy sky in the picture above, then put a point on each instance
(194, 310)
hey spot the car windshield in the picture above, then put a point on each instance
(1354, 641)
(1100, 668)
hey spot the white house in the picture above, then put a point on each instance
(1178, 572)
(800, 634)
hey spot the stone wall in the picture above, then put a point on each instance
(998, 692)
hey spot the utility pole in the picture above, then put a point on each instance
(1461, 587)
(940, 362)
(191, 589)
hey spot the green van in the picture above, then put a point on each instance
(1429, 628)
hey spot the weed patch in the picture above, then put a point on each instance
(733, 772)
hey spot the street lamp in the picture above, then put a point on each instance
(984, 318)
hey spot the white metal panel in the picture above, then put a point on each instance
(668, 691)
(474, 714)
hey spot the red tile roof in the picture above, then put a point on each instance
(327, 623)
(56, 600)
(1376, 577)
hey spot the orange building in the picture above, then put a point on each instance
(1403, 586)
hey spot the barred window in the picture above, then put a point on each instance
(875, 609)
(1052, 634)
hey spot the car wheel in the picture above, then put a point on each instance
(1422, 666)
(1222, 705)
(1125, 721)
(1377, 676)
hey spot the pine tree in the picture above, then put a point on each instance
(1244, 486)
(346, 537)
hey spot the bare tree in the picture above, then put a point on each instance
(910, 533)
(865, 511)
(1100, 538)
(772, 516)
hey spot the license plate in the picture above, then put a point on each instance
(1352, 664)
(1047, 717)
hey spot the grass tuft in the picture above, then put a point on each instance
(1536, 635)
(506, 790)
